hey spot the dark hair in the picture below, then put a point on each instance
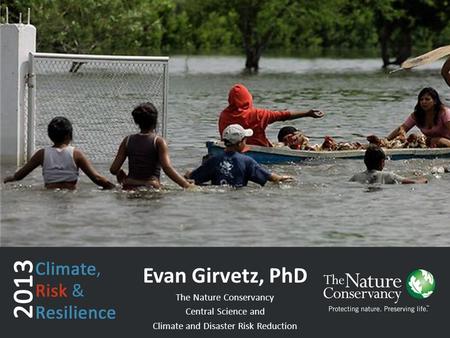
(59, 129)
(286, 131)
(419, 113)
(145, 116)
(373, 157)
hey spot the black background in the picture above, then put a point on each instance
(138, 305)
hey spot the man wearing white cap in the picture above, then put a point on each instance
(231, 167)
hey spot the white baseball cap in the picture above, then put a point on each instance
(235, 133)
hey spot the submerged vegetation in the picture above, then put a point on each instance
(391, 29)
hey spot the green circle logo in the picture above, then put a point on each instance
(420, 284)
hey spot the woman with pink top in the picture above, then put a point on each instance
(431, 117)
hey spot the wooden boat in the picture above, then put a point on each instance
(283, 155)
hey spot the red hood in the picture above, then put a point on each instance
(240, 99)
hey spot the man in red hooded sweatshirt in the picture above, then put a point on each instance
(242, 111)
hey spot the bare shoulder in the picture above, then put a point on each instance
(38, 156)
(77, 152)
(40, 152)
(78, 155)
(160, 141)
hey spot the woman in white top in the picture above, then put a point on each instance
(60, 162)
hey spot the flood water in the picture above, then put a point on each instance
(320, 208)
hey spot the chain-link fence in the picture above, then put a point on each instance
(97, 94)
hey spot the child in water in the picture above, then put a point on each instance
(374, 159)
(147, 153)
(60, 162)
(231, 167)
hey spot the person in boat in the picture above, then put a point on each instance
(445, 71)
(431, 117)
(147, 153)
(241, 111)
(231, 167)
(293, 138)
(60, 162)
(374, 159)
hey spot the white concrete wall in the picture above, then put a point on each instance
(16, 42)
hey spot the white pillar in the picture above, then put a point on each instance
(16, 42)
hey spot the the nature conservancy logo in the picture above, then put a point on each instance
(355, 286)
(420, 284)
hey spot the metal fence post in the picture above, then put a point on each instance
(31, 82)
(166, 95)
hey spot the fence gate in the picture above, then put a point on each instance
(97, 94)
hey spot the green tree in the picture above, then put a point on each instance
(97, 26)
(261, 21)
(399, 21)
(252, 27)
